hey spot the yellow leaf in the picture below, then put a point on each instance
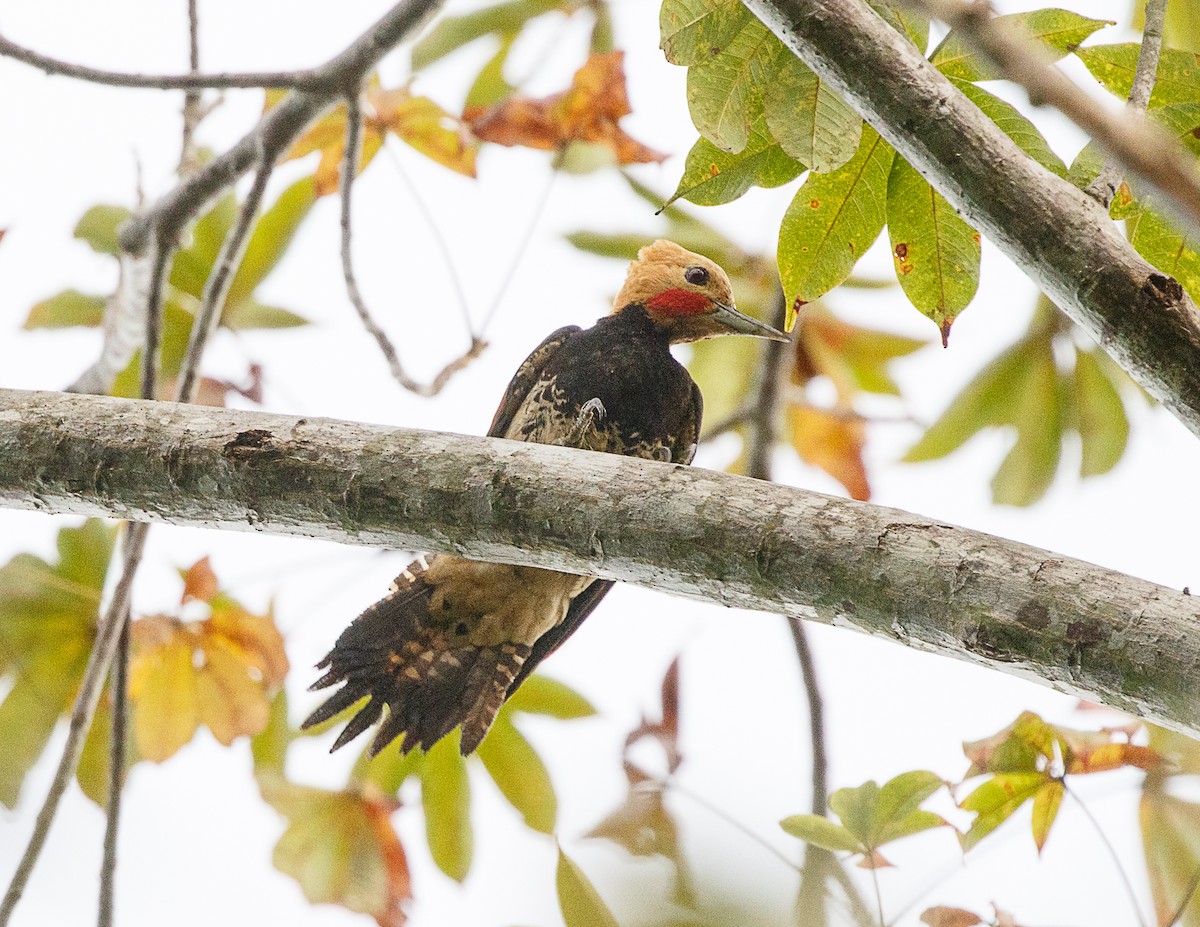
(832, 440)
(427, 127)
(221, 672)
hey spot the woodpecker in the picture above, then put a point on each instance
(457, 637)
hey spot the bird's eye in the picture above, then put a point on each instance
(696, 276)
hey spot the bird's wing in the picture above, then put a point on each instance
(524, 379)
(581, 606)
(685, 444)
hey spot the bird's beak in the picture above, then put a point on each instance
(739, 323)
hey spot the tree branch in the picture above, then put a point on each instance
(1062, 238)
(1104, 187)
(1079, 628)
(1142, 147)
(278, 128)
(108, 633)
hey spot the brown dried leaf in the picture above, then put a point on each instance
(589, 111)
(941, 916)
(199, 582)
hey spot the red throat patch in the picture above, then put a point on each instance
(679, 302)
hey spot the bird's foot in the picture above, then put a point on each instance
(590, 414)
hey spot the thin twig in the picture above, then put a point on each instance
(1112, 852)
(193, 111)
(878, 894)
(1104, 187)
(278, 128)
(519, 253)
(435, 230)
(816, 716)
(216, 288)
(1142, 147)
(731, 422)
(108, 631)
(119, 689)
(350, 162)
(309, 79)
(764, 401)
(160, 259)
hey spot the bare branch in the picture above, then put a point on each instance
(193, 110)
(1142, 147)
(350, 162)
(278, 128)
(1104, 187)
(119, 687)
(216, 288)
(108, 631)
(313, 79)
(1062, 238)
(1082, 629)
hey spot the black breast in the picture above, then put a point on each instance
(625, 361)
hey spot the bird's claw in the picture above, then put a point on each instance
(590, 413)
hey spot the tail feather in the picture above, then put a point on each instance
(431, 678)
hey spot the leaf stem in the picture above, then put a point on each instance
(1112, 852)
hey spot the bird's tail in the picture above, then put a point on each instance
(430, 678)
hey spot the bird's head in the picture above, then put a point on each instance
(686, 295)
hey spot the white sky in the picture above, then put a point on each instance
(197, 839)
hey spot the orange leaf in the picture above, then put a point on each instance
(833, 441)
(199, 582)
(589, 111)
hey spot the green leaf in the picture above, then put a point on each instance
(193, 264)
(541, 695)
(44, 689)
(622, 247)
(520, 775)
(1010, 121)
(578, 899)
(897, 813)
(48, 615)
(490, 86)
(693, 32)
(177, 326)
(98, 227)
(822, 832)
(67, 309)
(387, 770)
(1100, 416)
(342, 849)
(936, 253)
(904, 20)
(723, 93)
(1177, 79)
(250, 313)
(989, 399)
(812, 123)
(857, 807)
(712, 176)
(1161, 242)
(1045, 810)
(724, 371)
(1060, 31)
(995, 801)
(269, 748)
(452, 32)
(446, 798)
(272, 234)
(832, 221)
(1171, 841)
(1027, 471)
